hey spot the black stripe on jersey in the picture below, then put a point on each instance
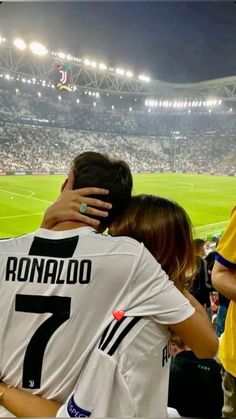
(133, 321)
(111, 334)
(104, 335)
(124, 332)
(61, 248)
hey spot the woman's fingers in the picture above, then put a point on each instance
(90, 191)
(92, 202)
(90, 211)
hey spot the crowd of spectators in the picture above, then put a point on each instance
(44, 133)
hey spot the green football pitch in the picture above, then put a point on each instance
(207, 199)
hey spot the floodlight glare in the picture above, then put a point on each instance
(142, 77)
(86, 61)
(102, 66)
(7, 76)
(231, 110)
(130, 109)
(19, 43)
(129, 74)
(120, 71)
(61, 55)
(38, 49)
(93, 64)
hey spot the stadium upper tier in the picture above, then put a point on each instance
(20, 60)
(43, 132)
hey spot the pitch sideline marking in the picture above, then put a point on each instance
(25, 196)
(21, 215)
(213, 224)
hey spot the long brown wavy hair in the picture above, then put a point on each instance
(165, 229)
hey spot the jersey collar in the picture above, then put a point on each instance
(51, 234)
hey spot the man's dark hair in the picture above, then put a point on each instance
(99, 170)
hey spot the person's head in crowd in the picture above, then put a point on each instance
(177, 345)
(199, 246)
(165, 229)
(99, 170)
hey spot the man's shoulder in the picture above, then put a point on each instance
(9, 245)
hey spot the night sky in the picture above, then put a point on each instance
(175, 42)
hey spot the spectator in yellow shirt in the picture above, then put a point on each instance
(224, 280)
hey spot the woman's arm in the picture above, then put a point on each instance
(67, 207)
(23, 404)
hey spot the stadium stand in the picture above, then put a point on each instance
(43, 133)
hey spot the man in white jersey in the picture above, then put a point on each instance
(86, 311)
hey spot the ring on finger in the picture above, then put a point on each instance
(83, 207)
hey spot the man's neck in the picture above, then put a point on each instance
(68, 225)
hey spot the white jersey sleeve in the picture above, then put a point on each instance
(151, 293)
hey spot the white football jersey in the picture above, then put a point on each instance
(79, 307)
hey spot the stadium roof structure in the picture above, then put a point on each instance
(18, 60)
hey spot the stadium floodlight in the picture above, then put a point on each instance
(231, 110)
(130, 109)
(102, 66)
(17, 90)
(38, 49)
(120, 71)
(94, 104)
(219, 102)
(189, 111)
(39, 94)
(59, 97)
(19, 43)
(146, 102)
(113, 107)
(77, 101)
(121, 97)
(2, 39)
(97, 94)
(7, 77)
(69, 57)
(90, 93)
(87, 61)
(93, 64)
(129, 74)
(142, 77)
(61, 55)
(135, 99)
(210, 110)
(23, 80)
(29, 81)
(149, 110)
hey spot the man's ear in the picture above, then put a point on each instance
(69, 182)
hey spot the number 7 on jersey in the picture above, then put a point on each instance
(33, 359)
